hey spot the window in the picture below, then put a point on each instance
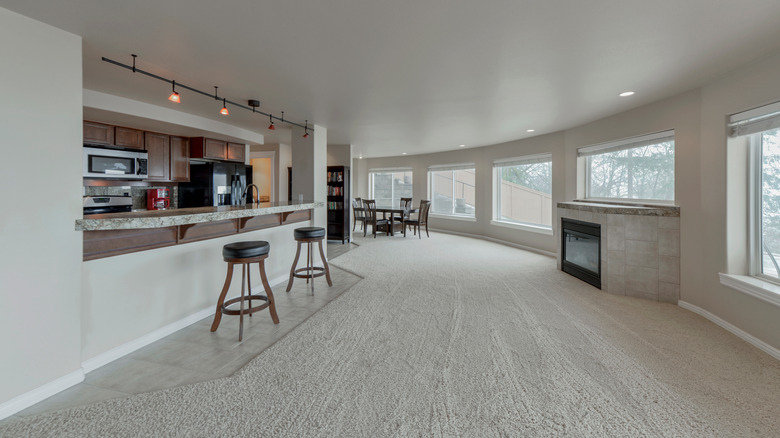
(452, 189)
(523, 190)
(388, 186)
(762, 128)
(640, 168)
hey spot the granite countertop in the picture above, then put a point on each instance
(185, 216)
(635, 209)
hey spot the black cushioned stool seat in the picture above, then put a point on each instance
(240, 250)
(309, 232)
(245, 253)
(309, 235)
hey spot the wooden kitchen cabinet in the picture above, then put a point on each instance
(236, 152)
(210, 148)
(180, 159)
(98, 133)
(129, 138)
(158, 146)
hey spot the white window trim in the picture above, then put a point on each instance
(540, 229)
(509, 162)
(371, 173)
(457, 217)
(584, 153)
(450, 168)
(753, 286)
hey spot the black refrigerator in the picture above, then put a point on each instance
(213, 184)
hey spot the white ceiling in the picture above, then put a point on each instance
(414, 76)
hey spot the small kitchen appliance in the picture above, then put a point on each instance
(158, 199)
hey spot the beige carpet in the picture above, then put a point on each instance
(450, 336)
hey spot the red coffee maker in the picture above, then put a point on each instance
(157, 199)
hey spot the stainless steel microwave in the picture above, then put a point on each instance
(111, 163)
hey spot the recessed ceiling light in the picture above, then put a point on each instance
(626, 94)
(403, 153)
(530, 130)
(360, 157)
(463, 145)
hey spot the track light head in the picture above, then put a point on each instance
(174, 97)
(271, 127)
(306, 129)
(224, 111)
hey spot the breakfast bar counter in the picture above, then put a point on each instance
(186, 216)
(113, 234)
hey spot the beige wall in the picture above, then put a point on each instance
(40, 261)
(699, 120)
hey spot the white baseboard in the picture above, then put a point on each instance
(40, 393)
(747, 337)
(499, 241)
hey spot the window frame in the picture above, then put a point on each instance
(372, 172)
(498, 165)
(452, 168)
(584, 168)
(755, 226)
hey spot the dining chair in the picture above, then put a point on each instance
(406, 204)
(422, 219)
(369, 206)
(359, 213)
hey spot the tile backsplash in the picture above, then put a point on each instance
(138, 193)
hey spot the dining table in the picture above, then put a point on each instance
(393, 211)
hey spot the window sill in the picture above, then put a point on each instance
(454, 217)
(525, 227)
(753, 286)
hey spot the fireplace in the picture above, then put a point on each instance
(581, 250)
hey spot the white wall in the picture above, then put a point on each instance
(161, 286)
(40, 262)
(699, 120)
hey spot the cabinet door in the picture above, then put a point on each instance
(180, 159)
(129, 138)
(159, 148)
(98, 133)
(214, 149)
(236, 152)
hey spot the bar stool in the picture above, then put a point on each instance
(244, 253)
(309, 235)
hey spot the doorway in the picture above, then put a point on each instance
(263, 177)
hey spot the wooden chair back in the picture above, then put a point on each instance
(357, 207)
(424, 208)
(369, 208)
(406, 203)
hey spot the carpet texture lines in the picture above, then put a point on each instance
(451, 336)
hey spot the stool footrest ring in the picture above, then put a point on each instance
(320, 271)
(247, 311)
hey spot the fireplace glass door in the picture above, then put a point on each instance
(581, 250)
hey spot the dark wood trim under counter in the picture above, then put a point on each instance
(111, 235)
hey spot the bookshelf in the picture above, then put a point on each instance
(338, 203)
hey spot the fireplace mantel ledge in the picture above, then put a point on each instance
(640, 210)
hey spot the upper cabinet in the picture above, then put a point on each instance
(158, 146)
(128, 138)
(180, 159)
(209, 148)
(98, 133)
(236, 152)
(102, 134)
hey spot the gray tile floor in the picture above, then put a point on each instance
(194, 354)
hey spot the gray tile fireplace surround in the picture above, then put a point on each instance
(640, 247)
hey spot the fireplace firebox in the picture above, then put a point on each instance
(581, 250)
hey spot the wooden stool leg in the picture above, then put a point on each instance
(241, 312)
(292, 270)
(221, 299)
(269, 293)
(310, 266)
(249, 286)
(325, 263)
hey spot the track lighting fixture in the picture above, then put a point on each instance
(271, 127)
(174, 97)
